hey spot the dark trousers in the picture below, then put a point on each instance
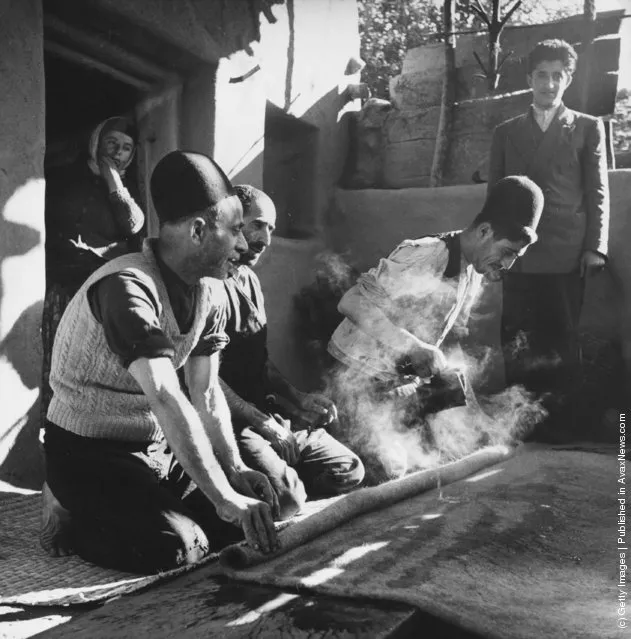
(540, 339)
(131, 506)
(325, 467)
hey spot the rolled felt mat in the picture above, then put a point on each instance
(240, 556)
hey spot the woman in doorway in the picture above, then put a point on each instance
(92, 216)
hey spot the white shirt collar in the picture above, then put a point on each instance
(544, 117)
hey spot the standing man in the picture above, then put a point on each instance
(140, 477)
(563, 151)
(293, 450)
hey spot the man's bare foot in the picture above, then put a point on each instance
(54, 536)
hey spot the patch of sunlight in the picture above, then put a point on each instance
(484, 475)
(335, 568)
(320, 576)
(270, 606)
(354, 554)
(429, 516)
(24, 628)
(411, 527)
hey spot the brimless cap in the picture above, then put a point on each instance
(185, 183)
(514, 201)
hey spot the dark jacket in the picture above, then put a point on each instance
(569, 163)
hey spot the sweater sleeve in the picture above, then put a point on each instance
(128, 215)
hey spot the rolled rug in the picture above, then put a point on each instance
(241, 556)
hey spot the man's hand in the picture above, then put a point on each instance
(427, 360)
(592, 263)
(255, 519)
(254, 484)
(323, 408)
(277, 431)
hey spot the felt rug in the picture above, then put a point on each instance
(28, 576)
(522, 550)
(340, 510)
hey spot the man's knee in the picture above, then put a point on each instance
(338, 478)
(155, 544)
(190, 543)
(347, 475)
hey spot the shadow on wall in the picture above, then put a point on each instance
(21, 460)
(20, 451)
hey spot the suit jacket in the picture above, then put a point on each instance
(569, 163)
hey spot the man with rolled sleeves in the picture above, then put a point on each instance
(142, 475)
(563, 151)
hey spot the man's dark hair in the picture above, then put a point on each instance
(550, 51)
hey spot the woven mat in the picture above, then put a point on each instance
(29, 577)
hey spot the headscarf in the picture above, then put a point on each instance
(116, 123)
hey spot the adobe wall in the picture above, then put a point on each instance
(367, 224)
(21, 238)
(219, 108)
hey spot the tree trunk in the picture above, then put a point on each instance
(448, 98)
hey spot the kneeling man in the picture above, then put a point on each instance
(140, 476)
(279, 428)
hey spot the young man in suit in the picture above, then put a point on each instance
(563, 151)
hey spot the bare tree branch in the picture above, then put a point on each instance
(510, 12)
(479, 61)
(477, 8)
(504, 58)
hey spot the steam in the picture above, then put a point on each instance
(389, 432)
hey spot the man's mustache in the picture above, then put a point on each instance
(257, 247)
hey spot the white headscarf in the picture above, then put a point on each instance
(93, 148)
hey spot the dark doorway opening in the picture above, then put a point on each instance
(77, 99)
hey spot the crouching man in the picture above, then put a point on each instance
(140, 476)
(279, 428)
(399, 316)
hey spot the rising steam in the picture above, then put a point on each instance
(390, 431)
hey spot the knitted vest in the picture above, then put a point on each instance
(94, 394)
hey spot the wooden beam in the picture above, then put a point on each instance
(85, 60)
(104, 49)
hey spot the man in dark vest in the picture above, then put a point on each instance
(280, 429)
(399, 315)
(564, 152)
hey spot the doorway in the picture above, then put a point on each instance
(77, 99)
